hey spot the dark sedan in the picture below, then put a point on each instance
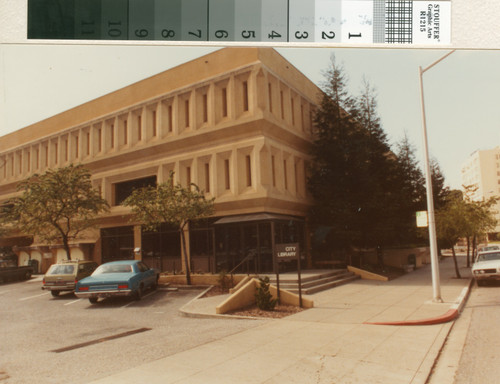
(118, 278)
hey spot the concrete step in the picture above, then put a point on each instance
(317, 283)
(305, 277)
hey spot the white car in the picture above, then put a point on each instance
(486, 266)
(485, 248)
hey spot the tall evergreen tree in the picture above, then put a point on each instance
(411, 187)
(349, 176)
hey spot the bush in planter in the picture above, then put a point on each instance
(225, 281)
(263, 297)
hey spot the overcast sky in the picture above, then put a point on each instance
(461, 93)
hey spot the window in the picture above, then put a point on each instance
(170, 118)
(273, 170)
(125, 132)
(245, 96)
(227, 174)
(285, 178)
(112, 136)
(124, 189)
(139, 128)
(270, 95)
(207, 177)
(282, 104)
(188, 176)
(224, 102)
(154, 124)
(248, 170)
(205, 108)
(186, 106)
(77, 149)
(99, 140)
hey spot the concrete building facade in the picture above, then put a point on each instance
(236, 122)
(482, 172)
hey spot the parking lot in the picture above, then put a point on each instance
(49, 339)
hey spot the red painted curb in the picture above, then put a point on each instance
(448, 316)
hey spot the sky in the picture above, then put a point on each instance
(461, 92)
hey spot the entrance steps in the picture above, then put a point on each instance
(313, 281)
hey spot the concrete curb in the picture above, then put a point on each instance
(450, 315)
(184, 311)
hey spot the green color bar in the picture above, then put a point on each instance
(221, 20)
(51, 19)
(141, 19)
(167, 20)
(274, 21)
(301, 21)
(194, 20)
(87, 19)
(247, 20)
(114, 19)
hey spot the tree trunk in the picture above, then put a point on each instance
(474, 242)
(468, 251)
(66, 247)
(184, 251)
(457, 271)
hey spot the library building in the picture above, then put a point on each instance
(236, 122)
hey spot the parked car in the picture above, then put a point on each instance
(9, 270)
(486, 267)
(118, 278)
(64, 275)
(488, 248)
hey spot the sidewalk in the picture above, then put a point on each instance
(334, 342)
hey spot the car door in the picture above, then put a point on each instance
(147, 274)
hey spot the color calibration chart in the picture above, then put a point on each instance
(253, 21)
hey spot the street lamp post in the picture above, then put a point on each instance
(428, 182)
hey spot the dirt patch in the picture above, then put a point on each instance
(252, 310)
(278, 312)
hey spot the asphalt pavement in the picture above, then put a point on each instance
(362, 332)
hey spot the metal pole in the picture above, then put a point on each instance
(430, 202)
(428, 182)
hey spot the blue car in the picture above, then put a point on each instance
(118, 278)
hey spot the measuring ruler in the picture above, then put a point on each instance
(252, 21)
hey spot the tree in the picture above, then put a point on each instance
(57, 205)
(411, 191)
(462, 217)
(451, 224)
(480, 217)
(348, 178)
(173, 204)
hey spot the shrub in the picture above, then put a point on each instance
(263, 297)
(225, 281)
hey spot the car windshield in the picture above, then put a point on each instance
(113, 268)
(488, 256)
(58, 269)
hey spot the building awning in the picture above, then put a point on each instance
(255, 217)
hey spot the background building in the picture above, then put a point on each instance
(236, 122)
(482, 171)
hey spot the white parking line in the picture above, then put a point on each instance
(32, 297)
(72, 302)
(132, 302)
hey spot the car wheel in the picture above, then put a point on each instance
(93, 300)
(154, 287)
(55, 293)
(138, 293)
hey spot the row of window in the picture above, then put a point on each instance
(204, 106)
(223, 174)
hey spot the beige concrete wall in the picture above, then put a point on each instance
(236, 122)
